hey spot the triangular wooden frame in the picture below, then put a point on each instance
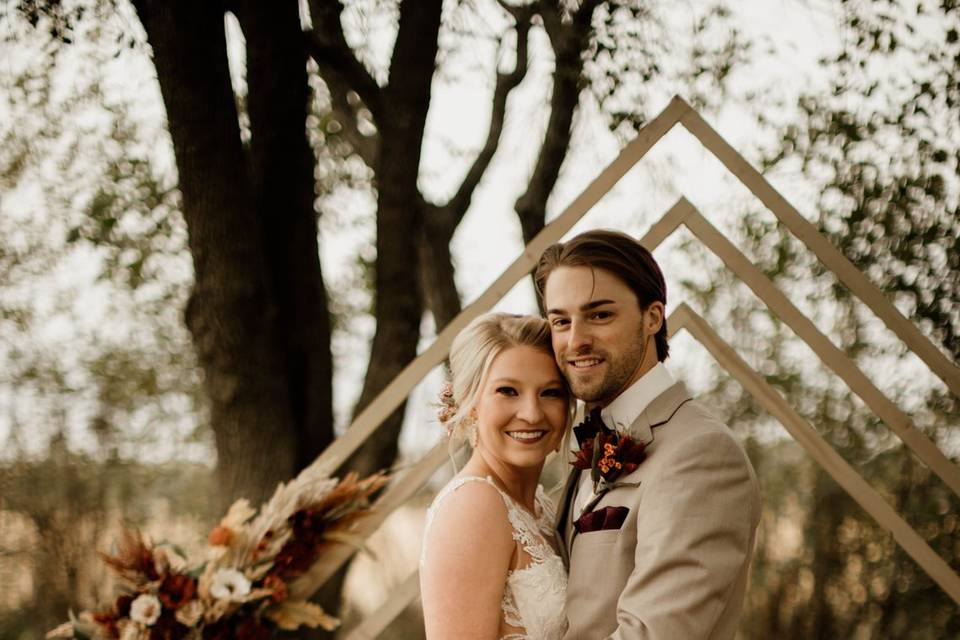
(679, 112)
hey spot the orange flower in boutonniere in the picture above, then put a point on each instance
(607, 454)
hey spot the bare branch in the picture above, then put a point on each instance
(333, 56)
(436, 268)
(569, 41)
(506, 82)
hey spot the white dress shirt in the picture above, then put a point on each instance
(621, 413)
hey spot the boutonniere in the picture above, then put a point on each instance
(606, 453)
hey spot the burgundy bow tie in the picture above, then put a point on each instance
(590, 427)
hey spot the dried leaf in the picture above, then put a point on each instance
(291, 615)
(257, 594)
(63, 631)
(134, 560)
(238, 514)
(190, 614)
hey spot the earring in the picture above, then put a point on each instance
(473, 435)
(469, 424)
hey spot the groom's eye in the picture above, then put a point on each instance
(559, 322)
(602, 315)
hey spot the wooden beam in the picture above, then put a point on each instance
(683, 317)
(399, 599)
(683, 212)
(666, 225)
(829, 255)
(828, 353)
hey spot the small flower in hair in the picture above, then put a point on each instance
(447, 408)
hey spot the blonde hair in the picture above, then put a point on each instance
(472, 353)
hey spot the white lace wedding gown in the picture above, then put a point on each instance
(534, 596)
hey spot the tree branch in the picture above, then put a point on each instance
(440, 223)
(333, 55)
(569, 41)
(506, 82)
(436, 266)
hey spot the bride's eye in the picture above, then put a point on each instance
(506, 391)
(554, 393)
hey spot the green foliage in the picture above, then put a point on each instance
(885, 146)
(888, 140)
(635, 51)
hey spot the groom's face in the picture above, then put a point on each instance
(598, 332)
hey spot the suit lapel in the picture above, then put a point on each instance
(658, 412)
(562, 525)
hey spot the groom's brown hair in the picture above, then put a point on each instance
(619, 254)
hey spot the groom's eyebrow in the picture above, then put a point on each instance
(593, 304)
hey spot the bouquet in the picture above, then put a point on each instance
(247, 585)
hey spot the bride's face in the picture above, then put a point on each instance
(522, 409)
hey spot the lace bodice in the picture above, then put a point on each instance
(534, 595)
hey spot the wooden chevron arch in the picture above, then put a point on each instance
(683, 213)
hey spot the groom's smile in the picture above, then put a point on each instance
(582, 364)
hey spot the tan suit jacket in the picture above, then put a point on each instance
(677, 568)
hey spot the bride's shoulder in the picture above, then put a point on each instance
(466, 504)
(468, 515)
(469, 499)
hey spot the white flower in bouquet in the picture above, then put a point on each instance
(145, 609)
(229, 584)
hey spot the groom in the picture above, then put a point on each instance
(659, 546)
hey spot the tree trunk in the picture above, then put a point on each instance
(283, 164)
(569, 42)
(231, 314)
(399, 224)
(436, 267)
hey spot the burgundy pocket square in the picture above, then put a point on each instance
(601, 519)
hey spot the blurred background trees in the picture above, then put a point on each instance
(208, 321)
(884, 147)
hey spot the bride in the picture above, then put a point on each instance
(489, 568)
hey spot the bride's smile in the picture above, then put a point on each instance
(528, 437)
